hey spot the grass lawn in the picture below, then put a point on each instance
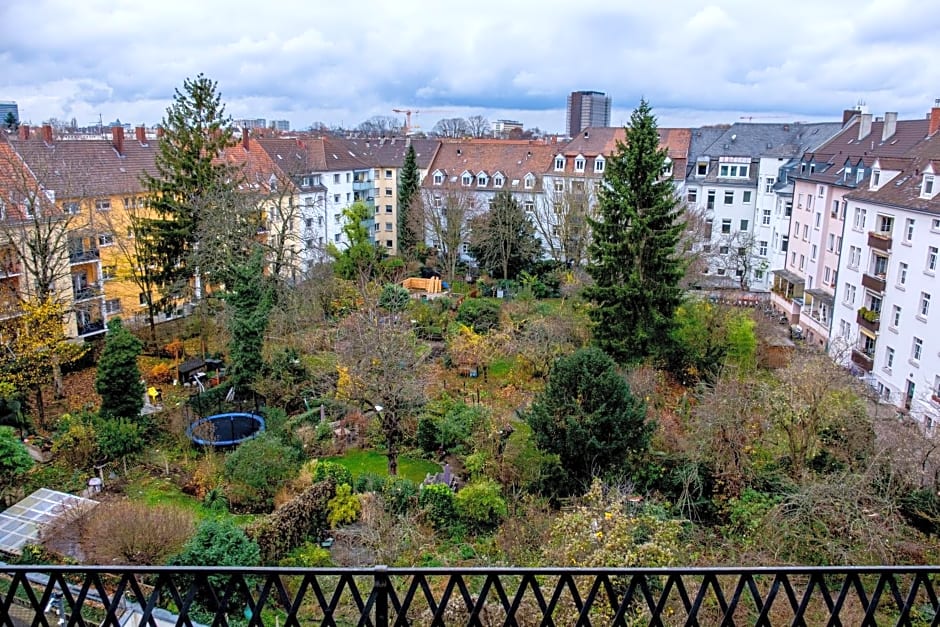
(162, 491)
(373, 462)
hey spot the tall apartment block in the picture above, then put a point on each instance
(587, 108)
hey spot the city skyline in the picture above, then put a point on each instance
(695, 64)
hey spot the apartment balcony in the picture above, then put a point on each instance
(861, 359)
(868, 319)
(383, 596)
(879, 241)
(874, 282)
(86, 292)
(91, 328)
(84, 255)
(10, 269)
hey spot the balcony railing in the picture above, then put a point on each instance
(84, 255)
(86, 291)
(89, 328)
(868, 319)
(380, 596)
(873, 282)
(864, 361)
(879, 241)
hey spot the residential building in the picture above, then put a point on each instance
(731, 188)
(280, 125)
(587, 108)
(6, 108)
(386, 156)
(887, 284)
(503, 128)
(805, 282)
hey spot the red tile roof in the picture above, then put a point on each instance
(514, 159)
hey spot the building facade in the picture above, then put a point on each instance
(587, 108)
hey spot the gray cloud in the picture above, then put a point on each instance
(343, 62)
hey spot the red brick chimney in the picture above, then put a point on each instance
(24, 131)
(245, 138)
(160, 132)
(117, 138)
(934, 119)
(47, 133)
(141, 132)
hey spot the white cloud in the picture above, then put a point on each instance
(342, 62)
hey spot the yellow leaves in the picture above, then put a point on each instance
(344, 384)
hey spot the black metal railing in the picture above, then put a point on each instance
(380, 596)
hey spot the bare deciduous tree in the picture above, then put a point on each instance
(478, 126)
(446, 216)
(561, 221)
(381, 126)
(451, 127)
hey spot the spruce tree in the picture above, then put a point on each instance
(408, 237)
(188, 183)
(117, 380)
(633, 256)
(249, 299)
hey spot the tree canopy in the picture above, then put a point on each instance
(503, 239)
(633, 255)
(409, 235)
(587, 416)
(118, 380)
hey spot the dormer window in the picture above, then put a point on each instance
(599, 164)
(927, 190)
(529, 181)
(875, 178)
(482, 179)
(667, 167)
(467, 179)
(701, 168)
(438, 178)
(732, 171)
(579, 164)
(559, 163)
(498, 180)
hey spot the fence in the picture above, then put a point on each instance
(380, 596)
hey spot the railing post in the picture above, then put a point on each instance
(380, 585)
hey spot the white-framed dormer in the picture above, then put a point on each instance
(701, 166)
(498, 179)
(599, 164)
(880, 175)
(482, 179)
(579, 163)
(438, 177)
(528, 181)
(466, 178)
(929, 183)
(667, 168)
(559, 163)
(734, 167)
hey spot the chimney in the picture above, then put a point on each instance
(160, 132)
(47, 133)
(245, 138)
(117, 139)
(934, 118)
(864, 126)
(891, 125)
(847, 115)
(141, 133)
(24, 131)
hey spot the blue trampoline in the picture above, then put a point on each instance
(222, 430)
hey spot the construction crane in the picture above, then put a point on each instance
(408, 129)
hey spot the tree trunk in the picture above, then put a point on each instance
(393, 461)
(40, 408)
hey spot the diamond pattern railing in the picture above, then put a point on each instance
(380, 596)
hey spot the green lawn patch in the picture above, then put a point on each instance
(360, 462)
(500, 367)
(163, 491)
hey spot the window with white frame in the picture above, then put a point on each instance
(931, 259)
(701, 168)
(830, 242)
(858, 221)
(692, 195)
(769, 184)
(908, 230)
(875, 178)
(849, 296)
(924, 304)
(902, 273)
(598, 164)
(802, 262)
(818, 221)
(729, 197)
(726, 170)
(827, 275)
(762, 248)
(105, 239)
(805, 232)
(855, 257)
(895, 316)
(438, 178)
(935, 224)
(559, 163)
(528, 206)
(726, 225)
(928, 185)
(745, 224)
(112, 306)
(796, 229)
(529, 181)
(103, 204)
(498, 180)
(813, 252)
(559, 185)
(917, 349)
(889, 358)
(481, 180)
(746, 196)
(438, 202)
(765, 217)
(579, 164)
(467, 179)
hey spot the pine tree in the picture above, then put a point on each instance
(633, 255)
(408, 237)
(118, 378)
(249, 300)
(189, 181)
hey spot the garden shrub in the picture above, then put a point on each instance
(479, 313)
(160, 373)
(76, 442)
(344, 508)
(308, 555)
(437, 501)
(370, 482)
(400, 495)
(480, 505)
(256, 470)
(428, 435)
(287, 527)
(331, 470)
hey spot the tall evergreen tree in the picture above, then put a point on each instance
(633, 256)
(408, 235)
(249, 299)
(117, 380)
(188, 183)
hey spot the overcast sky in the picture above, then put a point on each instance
(342, 62)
